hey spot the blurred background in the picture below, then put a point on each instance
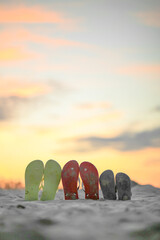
(80, 79)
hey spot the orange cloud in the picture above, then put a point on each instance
(140, 69)
(23, 89)
(36, 14)
(152, 162)
(10, 38)
(32, 14)
(87, 105)
(14, 54)
(21, 35)
(151, 18)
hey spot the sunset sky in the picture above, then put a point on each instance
(80, 79)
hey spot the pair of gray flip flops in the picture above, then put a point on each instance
(109, 188)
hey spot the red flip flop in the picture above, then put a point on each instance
(90, 178)
(70, 174)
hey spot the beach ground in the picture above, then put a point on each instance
(81, 219)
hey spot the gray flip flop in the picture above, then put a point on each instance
(123, 184)
(108, 185)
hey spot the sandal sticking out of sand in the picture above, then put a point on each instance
(123, 184)
(89, 176)
(33, 176)
(52, 177)
(70, 174)
(108, 185)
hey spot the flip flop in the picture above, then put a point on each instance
(123, 184)
(108, 185)
(89, 176)
(52, 177)
(70, 174)
(33, 176)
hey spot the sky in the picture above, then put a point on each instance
(80, 79)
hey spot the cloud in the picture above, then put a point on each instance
(9, 107)
(95, 105)
(156, 109)
(32, 14)
(140, 69)
(13, 44)
(25, 89)
(18, 99)
(16, 96)
(151, 18)
(36, 15)
(152, 162)
(10, 37)
(16, 107)
(126, 141)
(15, 54)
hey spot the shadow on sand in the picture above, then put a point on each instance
(150, 233)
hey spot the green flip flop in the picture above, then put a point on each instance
(52, 177)
(33, 176)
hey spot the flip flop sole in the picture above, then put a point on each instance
(52, 177)
(70, 174)
(90, 178)
(123, 184)
(33, 176)
(108, 185)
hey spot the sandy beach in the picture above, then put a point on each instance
(81, 219)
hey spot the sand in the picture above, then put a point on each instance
(81, 219)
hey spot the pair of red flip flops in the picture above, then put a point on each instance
(89, 176)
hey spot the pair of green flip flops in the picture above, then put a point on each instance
(36, 173)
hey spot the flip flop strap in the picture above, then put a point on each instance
(41, 184)
(79, 183)
(83, 187)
